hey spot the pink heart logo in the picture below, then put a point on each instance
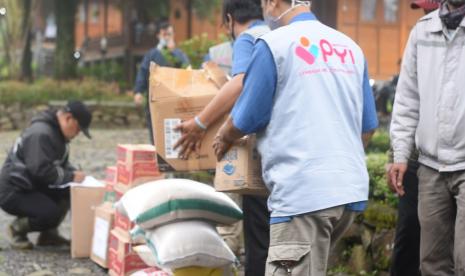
(305, 55)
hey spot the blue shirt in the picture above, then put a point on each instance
(252, 111)
(242, 50)
(154, 55)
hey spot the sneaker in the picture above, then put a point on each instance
(51, 238)
(17, 231)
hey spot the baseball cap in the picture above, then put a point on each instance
(82, 114)
(425, 4)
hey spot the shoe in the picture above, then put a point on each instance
(17, 231)
(51, 238)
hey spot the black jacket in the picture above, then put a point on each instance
(38, 160)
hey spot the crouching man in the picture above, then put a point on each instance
(34, 180)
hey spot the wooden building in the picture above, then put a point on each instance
(109, 29)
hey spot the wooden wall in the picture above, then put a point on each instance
(382, 41)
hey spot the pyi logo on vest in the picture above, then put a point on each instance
(309, 52)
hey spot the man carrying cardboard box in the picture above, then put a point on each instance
(307, 95)
(244, 21)
(35, 176)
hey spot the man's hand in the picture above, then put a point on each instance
(79, 176)
(221, 146)
(191, 139)
(138, 99)
(396, 174)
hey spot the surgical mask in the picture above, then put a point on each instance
(162, 44)
(273, 22)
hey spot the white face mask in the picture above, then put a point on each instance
(162, 44)
(273, 22)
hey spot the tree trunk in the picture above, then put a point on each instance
(26, 58)
(65, 63)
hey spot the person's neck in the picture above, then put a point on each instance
(286, 19)
(240, 28)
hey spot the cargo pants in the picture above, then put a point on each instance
(301, 246)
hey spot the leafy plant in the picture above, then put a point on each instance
(379, 189)
(380, 141)
(197, 47)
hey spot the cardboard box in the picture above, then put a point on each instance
(132, 174)
(110, 175)
(121, 189)
(177, 95)
(103, 223)
(122, 222)
(84, 200)
(240, 170)
(122, 259)
(130, 154)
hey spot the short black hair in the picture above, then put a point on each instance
(242, 11)
(163, 24)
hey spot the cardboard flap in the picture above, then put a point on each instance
(166, 82)
(215, 74)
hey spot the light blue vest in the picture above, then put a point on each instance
(312, 152)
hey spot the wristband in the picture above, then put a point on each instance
(199, 123)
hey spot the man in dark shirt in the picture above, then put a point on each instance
(165, 54)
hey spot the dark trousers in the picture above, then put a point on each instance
(406, 254)
(45, 210)
(256, 234)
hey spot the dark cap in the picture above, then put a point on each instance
(82, 114)
(428, 5)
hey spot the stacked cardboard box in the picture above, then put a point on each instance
(84, 200)
(136, 165)
(112, 243)
(122, 259)
(110, 183)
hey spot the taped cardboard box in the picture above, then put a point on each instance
(122, 222)
(240, 170)
(103, 223)
(137, 173)
(177, 95)
(84, 200)
(122, 259)
(121, 188)
(110, 175)
(140, 153)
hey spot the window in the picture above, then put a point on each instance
(368, 10)
(391, 8)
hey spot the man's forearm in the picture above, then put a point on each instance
(223, 102)
(229, 133)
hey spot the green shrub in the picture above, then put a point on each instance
(380, 215)
(197, 47)
(379, 189)
(379, 142)
(109, 71)
(45, 90)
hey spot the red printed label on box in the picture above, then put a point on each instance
(110, 175)
(129, 175)
(136, 153)
(123, 222)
